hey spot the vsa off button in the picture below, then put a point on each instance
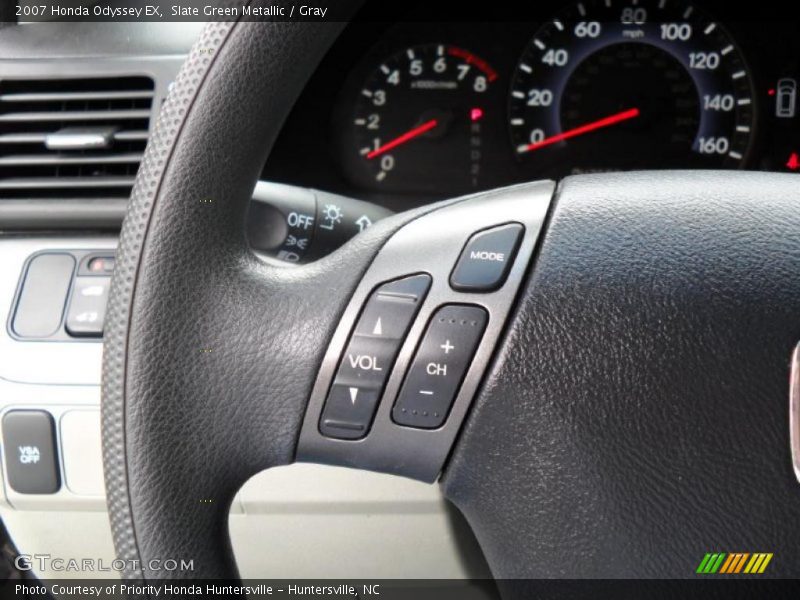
(486, 259)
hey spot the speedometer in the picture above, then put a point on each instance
(634, 84)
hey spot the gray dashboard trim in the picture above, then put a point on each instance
(85, 40)
(60, 215)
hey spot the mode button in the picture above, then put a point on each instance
(486, 259)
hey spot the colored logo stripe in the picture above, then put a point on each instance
(734, 563)
(711, 563)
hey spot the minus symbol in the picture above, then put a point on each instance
(426, 392)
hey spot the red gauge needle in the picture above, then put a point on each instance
(625, 115)
(406, 137)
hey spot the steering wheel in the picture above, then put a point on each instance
(622, 400)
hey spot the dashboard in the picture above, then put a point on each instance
(406, 112)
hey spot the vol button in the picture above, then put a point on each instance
(348, 412)
(366, 362)
(387, 317)
(392, 307)
(369, 357)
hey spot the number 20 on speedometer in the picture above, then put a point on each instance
(639, 84)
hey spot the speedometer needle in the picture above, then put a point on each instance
(625, 115)
(402, 139)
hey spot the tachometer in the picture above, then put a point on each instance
(418, 121)
(633, 84)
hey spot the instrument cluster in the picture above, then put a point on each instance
(407, 112)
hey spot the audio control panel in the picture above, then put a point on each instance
(421, 329)
(370, 356)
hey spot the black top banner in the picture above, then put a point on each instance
(325, 10)
(181, 10)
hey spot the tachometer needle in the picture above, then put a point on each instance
(402, 139)
(625, 115)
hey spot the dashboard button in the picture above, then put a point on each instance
(40, 307)
(97, 264)
(87, 306)
(367, 361)
(369, 357)
(349, 411)
(486, 259)
(439, 365)
(392, 307)
(30, 449)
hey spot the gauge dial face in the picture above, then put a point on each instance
(419, 120)
(636, 84)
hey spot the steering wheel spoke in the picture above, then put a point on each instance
(419, 378)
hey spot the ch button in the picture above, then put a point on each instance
(438, 368)
(369, 357)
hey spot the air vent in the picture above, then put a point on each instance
(72, 138)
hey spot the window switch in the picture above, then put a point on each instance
(87, 306)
